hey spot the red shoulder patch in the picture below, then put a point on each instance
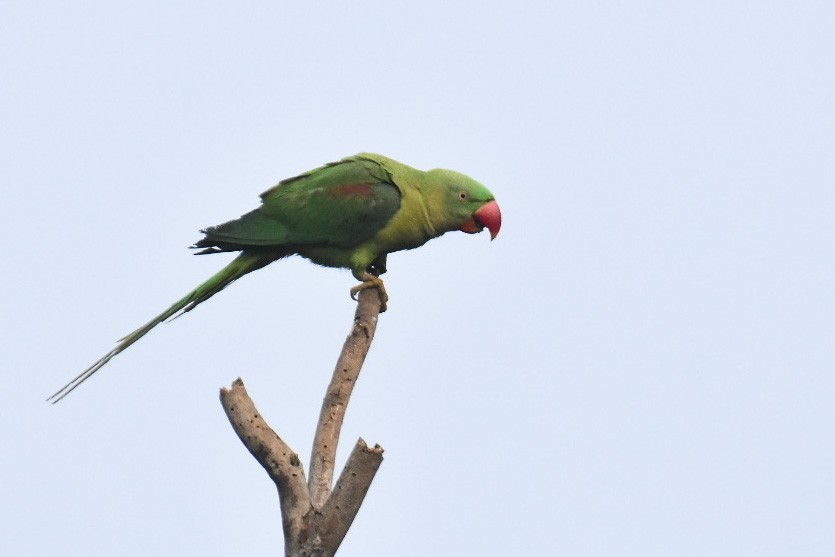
(353, 190)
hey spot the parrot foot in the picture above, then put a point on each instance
(371, 281)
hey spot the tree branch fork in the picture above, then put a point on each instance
(315, 513)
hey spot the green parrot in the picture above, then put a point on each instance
(349, 214)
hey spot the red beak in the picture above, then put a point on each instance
(487, 216)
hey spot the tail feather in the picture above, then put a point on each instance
(245, 263)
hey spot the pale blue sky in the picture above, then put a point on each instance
(642, 364)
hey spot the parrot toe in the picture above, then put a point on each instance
(371, 281)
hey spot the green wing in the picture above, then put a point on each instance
(341, 204)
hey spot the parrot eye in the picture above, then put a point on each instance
(462, 195)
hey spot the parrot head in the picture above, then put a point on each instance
(468, 205)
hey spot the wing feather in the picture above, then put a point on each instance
(340, 204)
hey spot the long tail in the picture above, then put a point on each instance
(245, 263)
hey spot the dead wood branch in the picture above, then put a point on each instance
(315, 517)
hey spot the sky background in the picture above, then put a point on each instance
(642, 364)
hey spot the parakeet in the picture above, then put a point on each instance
(349, 214)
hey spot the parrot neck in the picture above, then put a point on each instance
(414, 203)
(412, 225)
(425, 218)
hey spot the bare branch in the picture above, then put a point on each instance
(278, 459)
(345, 375)
(350, 489)
(315, 520)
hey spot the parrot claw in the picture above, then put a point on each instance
(371, 281)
